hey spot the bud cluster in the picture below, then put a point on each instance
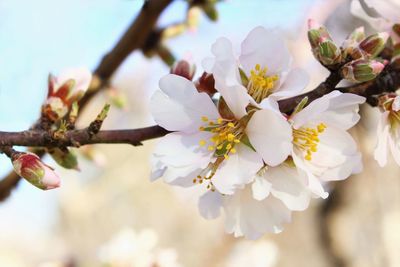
(357, 57)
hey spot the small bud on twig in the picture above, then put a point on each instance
(361, 70)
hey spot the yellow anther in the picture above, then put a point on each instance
(258, 67)
(220, 147)
(220, 120)
(201, 128)
(237, 141)
(231, 137)
(230, 124)
(308, 157)
(226, 156)
(204, 118)
(228, 146)
(211, 123)
(233, 151)
(202, 142)
(211, 148)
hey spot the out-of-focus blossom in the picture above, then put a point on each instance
(388, 132)
(381, 15)
(31, 168)
(129, 248)
(64, 90)
(261, 253)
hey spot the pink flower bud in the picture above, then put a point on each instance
(184, 69)
(313, 24)
(31, 168)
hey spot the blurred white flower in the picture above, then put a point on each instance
(130, 249)
(262, 70)
(388, 132)
(380, 14)
(261, 253)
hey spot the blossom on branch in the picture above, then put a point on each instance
(64, 90)
(388, 132)
(31, 168)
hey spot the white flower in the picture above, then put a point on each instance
(128, 248)
(388, 132)
(264, 206)
(207, 148)
(321, 144)
(381, 15)
(262, 70)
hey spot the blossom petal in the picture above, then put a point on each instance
(261, 188)
(210, 205)
(271, 136)
(225, 70)
(267, 48)
(288, 186)
(179, 107)
(237, 171)
(251, 218)
(294, 84)
(82, 77)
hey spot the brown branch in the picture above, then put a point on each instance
(76, 138)
(133, 39)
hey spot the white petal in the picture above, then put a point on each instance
(210, 205)
(237, 171)
(180, 107)
(271, 136)
(288, 186)
(82, 77)
(251, 218)
(313, 183)
(381, 150)
(267, 48)
(352, 165)
(181, 150)
(225, 70)
(395, 149)
(260, 188)
(294, 84)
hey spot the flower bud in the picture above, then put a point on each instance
(64, 157)
(352, 42)
(323, 47)
(373, 44)
(184, 69)
(206, 84)
(361, 70)
(67, 88)
(31, 168)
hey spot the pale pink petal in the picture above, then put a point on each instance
(271, 136)
(180, 107)
(82, 77)
(210, 205)
(237, 171)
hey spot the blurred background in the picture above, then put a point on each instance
(109, 212)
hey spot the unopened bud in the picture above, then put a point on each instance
(31, 168)
(323, 47)
(206, 84)
(373, 44)
(184, 69)
(352, 41)
(361, 70)
(65, 158)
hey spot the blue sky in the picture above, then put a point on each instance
(46, 36)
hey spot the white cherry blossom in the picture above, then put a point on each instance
(388, 132)
(204, 147)
(262, 70)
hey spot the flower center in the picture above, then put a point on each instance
(307, 139)
(260, 84)
(226, 134)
